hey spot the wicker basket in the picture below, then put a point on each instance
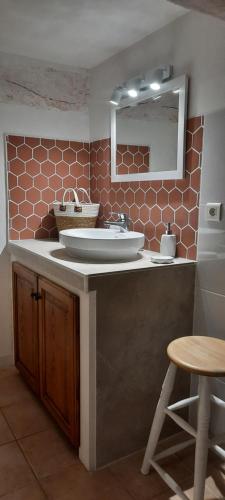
(74, 214)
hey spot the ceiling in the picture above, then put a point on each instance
(213, 7)
(82, 33)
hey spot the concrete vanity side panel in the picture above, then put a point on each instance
(138, 314)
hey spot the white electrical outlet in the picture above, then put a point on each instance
(213, 212)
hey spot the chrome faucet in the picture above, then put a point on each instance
(123, 221)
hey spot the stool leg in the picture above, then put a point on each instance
(201, 449)
(159, 417)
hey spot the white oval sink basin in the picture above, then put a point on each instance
(101, 244)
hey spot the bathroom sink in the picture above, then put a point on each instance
(101, 244)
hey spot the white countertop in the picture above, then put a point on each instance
(53, 252)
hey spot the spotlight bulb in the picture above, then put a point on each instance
(155, 86)
(132, 93)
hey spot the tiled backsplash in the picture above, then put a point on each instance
(40, 169)
(151, 204)
(131, 159)
(38, 172)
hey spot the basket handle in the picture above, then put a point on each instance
(71, 190)
(85, 192)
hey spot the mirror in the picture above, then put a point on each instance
(148, 134)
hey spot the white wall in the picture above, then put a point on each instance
(193, 44)
(41, 100)
(210, 300)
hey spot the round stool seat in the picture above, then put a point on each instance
(202, 355)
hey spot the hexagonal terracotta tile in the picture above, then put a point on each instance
(32, 141)
(16, 140)
(33, 222)
(192, 160)
(69, 156)
(139, 197)
(145, 214)
(134, 213)
(55, 155)
(181, 217)
(62, 144)
(32, 167)
(175, 198)
(162, 198)
(26, 208)
(17, 195)
(150, 198)
(47, 168)
(48, 195)
(18, 222)
(192, 252)
(197, 140)
(181, 250)
(156, 215)
(33, 195)
(13, 209)
(41, 208)
(196, 179)
(193, 218)
(11, 152)
(17, 167)
(190, 199)
(55, 182)
(62, 169)
(26, 234)
(48, 143)
(25, 181)
(24, 152)
(12, 180)
(75, 169)
(168, 215)
(188, 236)
(194, 123)
(41, 182)
(40, 153)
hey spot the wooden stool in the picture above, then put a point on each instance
(204, 356)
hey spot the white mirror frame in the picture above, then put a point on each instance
(180, 83)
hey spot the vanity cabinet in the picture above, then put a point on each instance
(25, 285)
(46, 326)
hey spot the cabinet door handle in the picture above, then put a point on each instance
(36, 296)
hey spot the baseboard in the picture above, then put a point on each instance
(6, 361)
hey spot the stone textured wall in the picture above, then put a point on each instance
(28, 81)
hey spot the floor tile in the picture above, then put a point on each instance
(27, 417)
(30, 492)
(189, 492)
(75, 483)
(13, 389)
(142, 487)
(7, 371)
(14, 470)
(48, 452)
(5, 433)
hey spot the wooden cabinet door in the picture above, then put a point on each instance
(26, 324)
(59, 355)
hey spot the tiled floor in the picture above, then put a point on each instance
(36, 461)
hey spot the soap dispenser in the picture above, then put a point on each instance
(168, 242)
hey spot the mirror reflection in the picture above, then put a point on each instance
(146, 134)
